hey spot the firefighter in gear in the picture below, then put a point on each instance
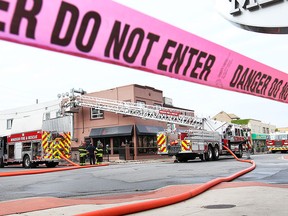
(99, 153)
(82, 155)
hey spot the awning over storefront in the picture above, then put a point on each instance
(148, 130)
(111, 131)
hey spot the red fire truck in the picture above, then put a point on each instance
(207, 144)
(277, 142)
(33, 148)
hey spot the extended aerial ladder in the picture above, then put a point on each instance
(169, 115)
(201, 131)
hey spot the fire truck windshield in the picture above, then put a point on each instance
(280, 136)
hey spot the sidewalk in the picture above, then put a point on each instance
(225, 199)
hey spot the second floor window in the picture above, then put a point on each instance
(9, 123)
(140, 103)
(47, 116)
(97, 114)
(158, 106)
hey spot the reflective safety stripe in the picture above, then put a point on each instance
(161, 139)
(161, 142)
(163, 149)
(283, 148)
(99, 152)
(185, 145)
(54, 148)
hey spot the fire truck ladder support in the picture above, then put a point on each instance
(158, 113)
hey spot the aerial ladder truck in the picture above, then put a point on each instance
(204, 139)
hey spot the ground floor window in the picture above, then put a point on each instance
(105, 141)
(118, 142)
(147, 144)
(106, 144)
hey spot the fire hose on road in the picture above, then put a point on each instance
(32, 171)
(161, 202)
(145, 205)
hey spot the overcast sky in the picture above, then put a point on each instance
(29, 73)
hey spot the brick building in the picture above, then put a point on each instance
(114, 130)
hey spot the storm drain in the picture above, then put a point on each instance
(220, 206)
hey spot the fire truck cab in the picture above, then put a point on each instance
(236, 139)
(277, 142)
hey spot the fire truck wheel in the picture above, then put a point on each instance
(181, 160)
(26, 162)
(205, 156)
(209, 154)
(202, 158)
(1, 163)
(51, 164)
(215, 153)
(240, 154)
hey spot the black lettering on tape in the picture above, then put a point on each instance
(275, 87)
(135, 40)
(255, 83)
(29, 15)
(284, 93)
(3, 7)
(136, 33)
(265, 85)
(206, 70)
(116, 39)
(95, 17)
(192, 52)
(65, 8)
(198, 64)
(201, 67)
(250, 80)
(166, 55)
(178, 59)
(152, 39)
(260, 86)
(199, 70)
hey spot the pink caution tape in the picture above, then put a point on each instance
(107, 31)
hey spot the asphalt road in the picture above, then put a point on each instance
(270, 168)
(137, 177)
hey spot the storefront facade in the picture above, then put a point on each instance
(117, 130)
(259, 142)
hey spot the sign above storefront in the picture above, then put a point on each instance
(259, 136)
(265, 16)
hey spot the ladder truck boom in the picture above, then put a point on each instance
(151, 112)
(203, 139)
